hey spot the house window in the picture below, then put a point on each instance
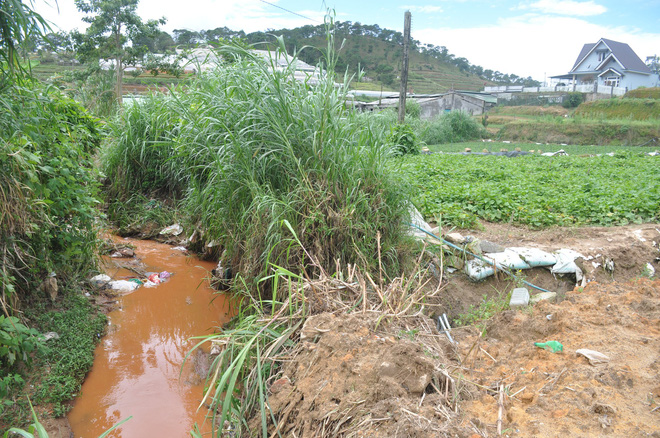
(602, 56)
(612, 81)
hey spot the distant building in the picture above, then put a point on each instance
(610, 63)
(434, 105)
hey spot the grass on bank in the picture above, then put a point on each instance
(48, 189)
(245, 147)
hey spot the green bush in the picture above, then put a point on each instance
(573, 100)
(47, 188)
(452, 127)
(403, 140)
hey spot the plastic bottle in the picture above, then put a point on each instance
(553, 346)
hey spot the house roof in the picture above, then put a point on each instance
(616, 72)
(621, 52)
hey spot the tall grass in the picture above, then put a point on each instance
(246, 146)
(252, 347)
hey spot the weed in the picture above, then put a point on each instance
(486, 309)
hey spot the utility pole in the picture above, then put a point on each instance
(404, 70)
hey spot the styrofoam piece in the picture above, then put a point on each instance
(535, 257)
(519, 297)
(123, 285)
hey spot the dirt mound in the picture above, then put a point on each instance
(562, 394)
(358, 375)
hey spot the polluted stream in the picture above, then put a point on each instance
(137, 367)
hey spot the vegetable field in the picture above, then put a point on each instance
(537, 191)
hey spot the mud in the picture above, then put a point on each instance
(356, 375)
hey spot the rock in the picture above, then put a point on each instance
(543, 296)
(49, 285)
(455, 238)
(519, 297)
(487, 246)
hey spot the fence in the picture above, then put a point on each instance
(585, 88)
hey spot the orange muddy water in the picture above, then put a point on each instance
(137, 364)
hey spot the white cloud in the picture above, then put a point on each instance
(565, 7)
(248, 15)
(533, 45)
(422, 9)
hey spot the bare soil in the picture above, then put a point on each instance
(360, 375)
(631, 247)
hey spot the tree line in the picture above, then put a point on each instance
(159, 41)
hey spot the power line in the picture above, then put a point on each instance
(290, 12)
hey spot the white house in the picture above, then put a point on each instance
(610, 63)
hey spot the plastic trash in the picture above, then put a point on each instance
(150, 284)
(519, 297)
(543, 296)
(164, 275)
(172, 230)
(553, 346)
(100, 279)
(595, 357)
(123, 285)
(136, 280)
(566, 261)
(418, 221)
(154, 278)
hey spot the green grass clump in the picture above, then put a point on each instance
(64, 361)
(535, 191)
(70, 356)
(247, 147)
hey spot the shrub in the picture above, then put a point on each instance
(452, 127)
(573, 100)
(403, 140)
(47, 188)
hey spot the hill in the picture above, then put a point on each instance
(377, 51)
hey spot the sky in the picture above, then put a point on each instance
(528, 38)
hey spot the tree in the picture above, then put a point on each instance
(113, 25)
(18, 23)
